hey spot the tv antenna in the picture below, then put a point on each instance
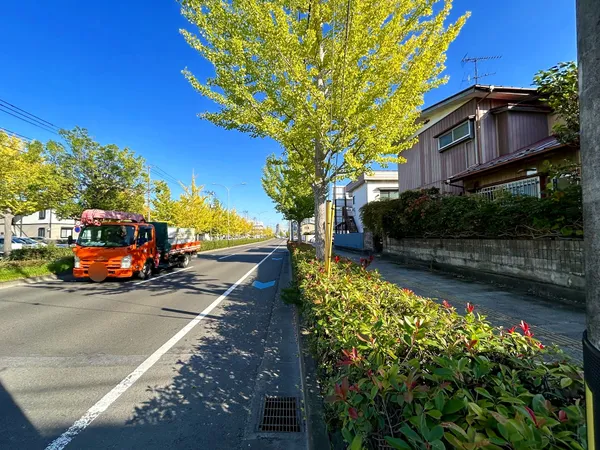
(475, 60)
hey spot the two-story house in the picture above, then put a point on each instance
(367, 188)
(43, 224)
(483, 139)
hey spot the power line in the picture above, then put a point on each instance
(28, 121)
(28, 113)
(20, 150)
(165, 175)
(15, 134)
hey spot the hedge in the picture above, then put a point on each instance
(402, 370)
(213, 245)
(427, 213)
(49, 252)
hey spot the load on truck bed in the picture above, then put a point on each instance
(120, 244)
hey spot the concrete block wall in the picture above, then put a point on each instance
(556, 262)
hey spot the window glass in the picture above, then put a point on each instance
(461, 131)
(144, 235)
(388, 195)
(445, 139)
(66, 232)
(106, 236)
(41, 232)
(42, 215)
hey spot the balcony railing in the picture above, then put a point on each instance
(528, 187)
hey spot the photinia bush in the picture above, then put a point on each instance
(404, 372)
(427, 213)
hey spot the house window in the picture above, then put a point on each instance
(388, 194)
(41, 232)
(66, 232)
(457, 134)
(42, 214)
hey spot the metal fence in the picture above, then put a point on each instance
(528, 187)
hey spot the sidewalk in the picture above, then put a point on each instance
(552, 322)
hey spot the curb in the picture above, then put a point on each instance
(35, 280)
(316, 429)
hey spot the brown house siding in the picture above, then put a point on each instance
(503, 138)
(518, 129)
(526, 128)
(426, 166)
(487, 130)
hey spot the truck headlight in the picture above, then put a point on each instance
(77, 261)
(126, 262)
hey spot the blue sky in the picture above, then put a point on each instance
(114, 67)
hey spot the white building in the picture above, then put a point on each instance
(44, 224)
(381, 185)
(343, 202)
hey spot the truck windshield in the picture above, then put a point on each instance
(107, 236)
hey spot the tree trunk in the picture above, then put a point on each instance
(320, 193)
(299, 225)
(8, 218)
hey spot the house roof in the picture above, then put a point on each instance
(481, 90)
(436, 112)
(546, 144)
(378, 175)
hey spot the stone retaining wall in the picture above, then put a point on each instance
(556, 262)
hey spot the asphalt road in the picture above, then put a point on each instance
(108, 361)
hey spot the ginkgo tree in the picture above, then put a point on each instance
(163, 205)
(192, 209)
(290, 192)
(28, 182)
(338, 83)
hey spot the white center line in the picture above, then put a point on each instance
(227, 256)
(81, 424)
(163, 275)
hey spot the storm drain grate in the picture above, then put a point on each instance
(279, 414)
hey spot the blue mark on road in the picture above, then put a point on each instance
(277, 259)
(261, 285)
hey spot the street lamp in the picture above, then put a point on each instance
(228, 212)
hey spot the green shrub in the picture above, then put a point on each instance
(213, 245)
(49, 252)
(427, 213)
(403, 370)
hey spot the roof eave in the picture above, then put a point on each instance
(463, 176)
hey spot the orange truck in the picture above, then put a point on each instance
(123, 245)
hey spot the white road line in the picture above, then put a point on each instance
(227, 256)
(102, 405)
(163, 275)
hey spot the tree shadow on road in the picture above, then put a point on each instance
(213, 388)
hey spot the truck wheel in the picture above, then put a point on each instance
(144, 274)
(185, 261)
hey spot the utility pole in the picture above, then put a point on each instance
(148, 192)
(588, 55)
